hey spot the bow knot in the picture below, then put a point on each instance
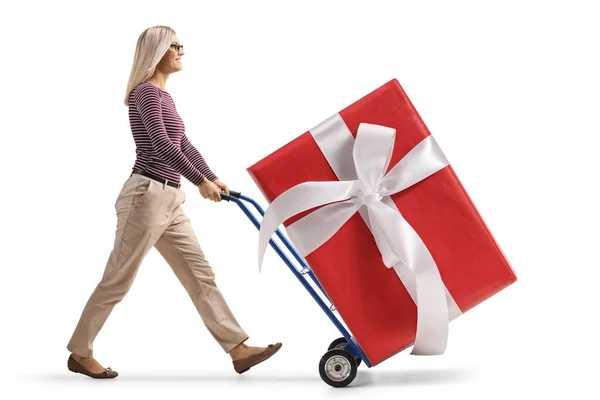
(370, 198)
(365, 193)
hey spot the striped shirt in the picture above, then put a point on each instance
(162, 147)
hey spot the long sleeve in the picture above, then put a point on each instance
(147, 99)
(196, 158)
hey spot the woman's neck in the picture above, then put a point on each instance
(159, 80)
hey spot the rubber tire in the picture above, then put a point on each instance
(342, 342)
(337, 342)
(348, 357)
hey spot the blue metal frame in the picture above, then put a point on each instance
(352, 346)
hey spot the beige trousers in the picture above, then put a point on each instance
(149, 213)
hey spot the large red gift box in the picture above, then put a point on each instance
(370, 298)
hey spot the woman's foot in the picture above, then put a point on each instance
(244, 351)
(244, 357)
(89, 363)
(90, 367)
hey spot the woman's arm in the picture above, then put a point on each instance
(196, 158)
(147, 100)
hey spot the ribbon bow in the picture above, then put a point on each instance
(395, 238)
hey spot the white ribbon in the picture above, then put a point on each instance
(396, 240)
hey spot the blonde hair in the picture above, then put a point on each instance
(152, 45)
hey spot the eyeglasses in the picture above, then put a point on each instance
(178, 47)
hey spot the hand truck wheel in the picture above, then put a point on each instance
(338, 368)
(340, 343)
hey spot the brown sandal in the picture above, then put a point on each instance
(74, 366)
(245, 364)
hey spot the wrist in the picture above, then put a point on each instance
(203, 181)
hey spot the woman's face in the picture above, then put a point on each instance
(171, 61)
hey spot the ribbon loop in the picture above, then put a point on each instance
(372, 152)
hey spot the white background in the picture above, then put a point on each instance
(509, 89)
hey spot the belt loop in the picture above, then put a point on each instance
(165, 184)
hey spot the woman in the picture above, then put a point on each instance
(149, 213)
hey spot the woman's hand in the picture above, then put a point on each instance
(221, 186)
(209, 190)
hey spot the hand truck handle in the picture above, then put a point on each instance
(231, 194)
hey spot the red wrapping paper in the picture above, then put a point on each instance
(369, 297)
